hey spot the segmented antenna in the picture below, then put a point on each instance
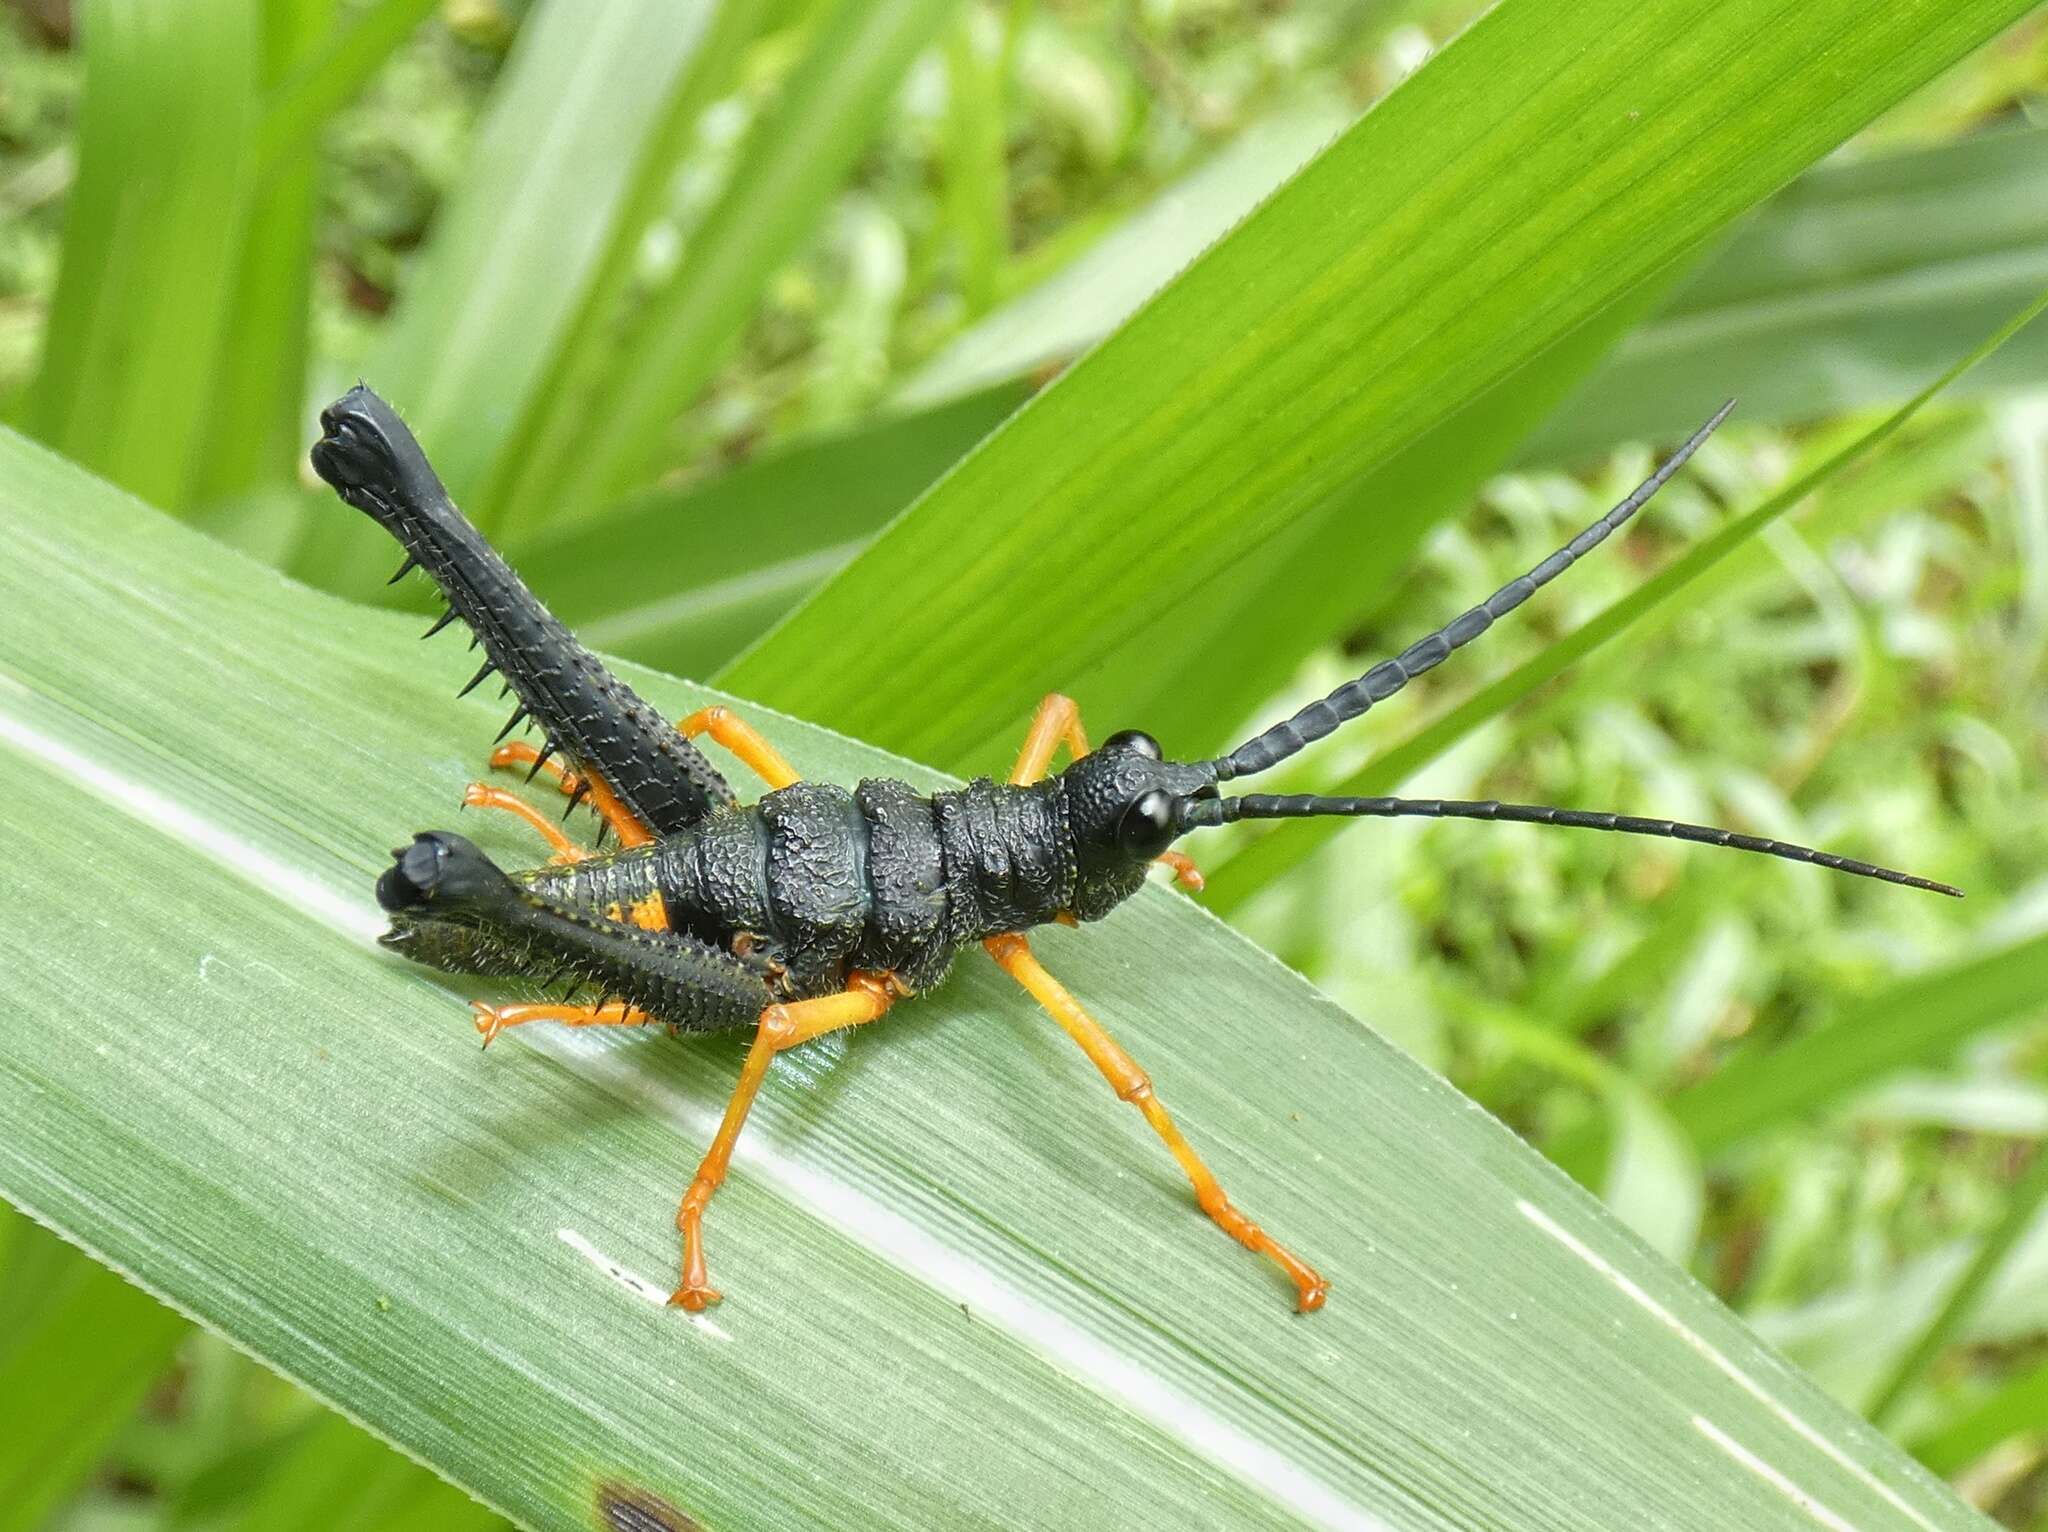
(1389, 676)
(1201, 812)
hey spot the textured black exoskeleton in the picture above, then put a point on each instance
(817, 905)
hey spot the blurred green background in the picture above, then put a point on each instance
(1826, 1102)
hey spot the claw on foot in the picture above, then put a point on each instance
(694, 1296)
(489, 1020)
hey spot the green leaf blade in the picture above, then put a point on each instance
(1531, 175)
(296, 1138)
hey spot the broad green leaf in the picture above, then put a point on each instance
(590, 448)
(1535, 171)
(1843, 292)
(165, 171)
(78, 1351)
(943, 1237)
(1920, 1019)
(685, 580)
(1271, 856)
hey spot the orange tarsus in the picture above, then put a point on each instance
(1185, 872)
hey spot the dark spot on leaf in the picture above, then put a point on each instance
(621, 1508)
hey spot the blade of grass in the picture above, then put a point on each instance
(2023, 1202)
(1439, 245)
(685, 580)
(583, 94)
(977, 189)
(1264, 860)
(326, 78)
(165, 171)
(2018, 1405)
(1106, 283)
(1216, 667)
(255, 417)
(589, 344)
(280, 1128)
(72, 1369)
(592, 448)
(1920, 1019)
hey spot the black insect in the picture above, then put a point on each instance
(818, 906)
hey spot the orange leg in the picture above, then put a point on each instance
(479, 796)
(743, 740)
(493, 1019)
(1014, 954)
(1057, 721)
(622, 819)
(867, 996)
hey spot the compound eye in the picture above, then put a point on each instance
(1136, 741)
(1147, 826)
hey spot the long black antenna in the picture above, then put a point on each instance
(1389, 676)
(1200, 812)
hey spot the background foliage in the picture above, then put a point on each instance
(689, 313)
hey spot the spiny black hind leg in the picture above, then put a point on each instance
(606, 732)
(451, 906)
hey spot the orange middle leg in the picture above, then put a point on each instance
(743, 740)
(478, 795)
(1131, 1083)
(624, 823)
(866, 997)
(1057, 722)
(493, 1019)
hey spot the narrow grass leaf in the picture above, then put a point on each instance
(515, 246)
(1272, 856)
(1918, 1020)
(591, 339)
(593, 449)
(165, 170)
(1536, 170)
(328, 76)
(1059, 318)
(232, 1095)
(256, 421)
(685, 580)
(342, 1479)
(2023, 1202)
(2018, 1405)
